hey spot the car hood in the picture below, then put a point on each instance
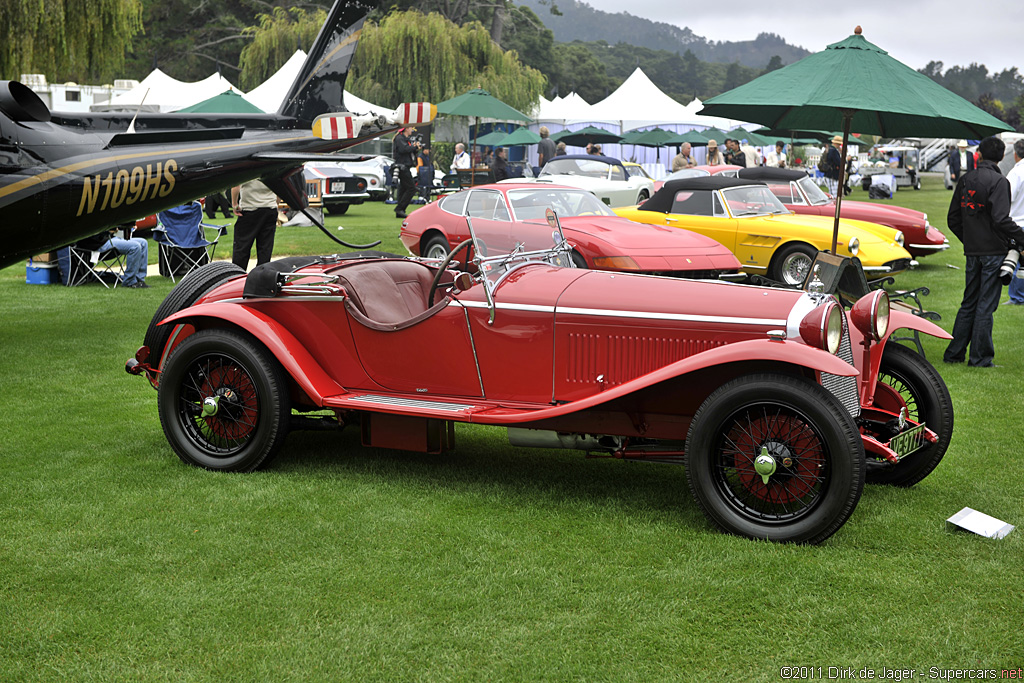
(627, 234)
(862, 230)
(868, 211)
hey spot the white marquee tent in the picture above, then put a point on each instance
(158, 92)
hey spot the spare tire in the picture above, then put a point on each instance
(191, 288)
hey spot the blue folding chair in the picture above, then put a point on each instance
(185, 242)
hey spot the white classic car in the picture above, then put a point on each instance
(372, 171)
(606, 177)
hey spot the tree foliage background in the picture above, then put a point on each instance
(68, 40)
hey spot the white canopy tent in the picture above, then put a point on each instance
(158, 92)
(269, 94)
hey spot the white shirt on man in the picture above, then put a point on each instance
(461, 161)
(1016, 178)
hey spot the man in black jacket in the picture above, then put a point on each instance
(979, 215)
(404, 152)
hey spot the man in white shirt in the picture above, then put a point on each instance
(777, 158)
(1016, 178)
(461, 158)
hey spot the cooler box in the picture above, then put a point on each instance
(42, 273)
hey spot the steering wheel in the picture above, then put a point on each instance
(442, 268)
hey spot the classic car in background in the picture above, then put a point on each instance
(599, 239)
(606, 177)
(741, 384)
(799, 193)
(766, 237)
(372, 171)
(338, 187)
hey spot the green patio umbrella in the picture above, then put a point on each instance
(228, 102)
(480, 104)
(752, 138)
(492, 139)
(854, 85)
(590, 134)
(630, 135)
(696, 138)
(520, 136)
(654, 137)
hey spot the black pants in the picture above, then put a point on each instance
(259, 226)
(973, 325)
(215, 202)
(406, 188)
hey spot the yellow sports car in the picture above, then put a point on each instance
(765, 236)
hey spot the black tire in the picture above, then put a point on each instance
(813, 441)
(578, 260)
(191, 288)
(252, 416)
(337, 209)
(927, 399)
(436, 247)
(792, 263)
(642, 197)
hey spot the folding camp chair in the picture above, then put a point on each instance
(184, 240)
(86, 263)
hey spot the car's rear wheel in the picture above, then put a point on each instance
(792, 264)
(436, 247)
(191, 288)
(337, 209)
(775, 457)
(906, 379)
(224, 402)
(642, 197)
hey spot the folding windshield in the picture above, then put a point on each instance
(590, 168)
(530, 204)
(752, 200)
(815, 196)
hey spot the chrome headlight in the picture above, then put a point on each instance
(823, 327)
(853, 246)
(870, 314)
(899, 237)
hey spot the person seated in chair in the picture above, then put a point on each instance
(135, 251)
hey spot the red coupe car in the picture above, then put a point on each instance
(600, 240)
(779, 404)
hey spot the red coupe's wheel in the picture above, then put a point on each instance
(224, 401)
(775, 457)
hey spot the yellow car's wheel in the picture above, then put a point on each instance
(792, 263)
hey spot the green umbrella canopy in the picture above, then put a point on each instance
(751, 138)
(655, 137)
(495, 137)
(696, 138)
(884, 97)
(481, 104)
(716, 134)
(521, 136)
(630, 135)
(228, 102)
(590, 134)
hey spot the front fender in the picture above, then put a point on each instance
(791, 352)
(292, 355)
(902, 319)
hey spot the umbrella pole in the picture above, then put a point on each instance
(847, 118)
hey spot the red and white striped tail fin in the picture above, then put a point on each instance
(338, 126)
(413, 113)
(347, 126)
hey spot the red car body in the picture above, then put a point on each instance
(600, 239)
(770, 396)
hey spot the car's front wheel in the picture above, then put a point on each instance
(224, 402)
(792, 264)
(643, 196)
(775, 457)
(906, 379)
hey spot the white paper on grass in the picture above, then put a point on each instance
(980, 523)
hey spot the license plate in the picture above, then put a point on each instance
(909, 441)
(337, 188)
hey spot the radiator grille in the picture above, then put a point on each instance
(844, 388)
(621, 358)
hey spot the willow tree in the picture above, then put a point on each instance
(277, 36)
(68, 40)
(411, 57)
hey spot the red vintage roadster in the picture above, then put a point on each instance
(779, 403)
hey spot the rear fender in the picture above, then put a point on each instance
(868, 359)
(289, 352)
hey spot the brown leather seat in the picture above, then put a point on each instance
(387, 294)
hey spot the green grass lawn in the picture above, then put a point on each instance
(339, 563)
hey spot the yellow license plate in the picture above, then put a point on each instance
(909, 441)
